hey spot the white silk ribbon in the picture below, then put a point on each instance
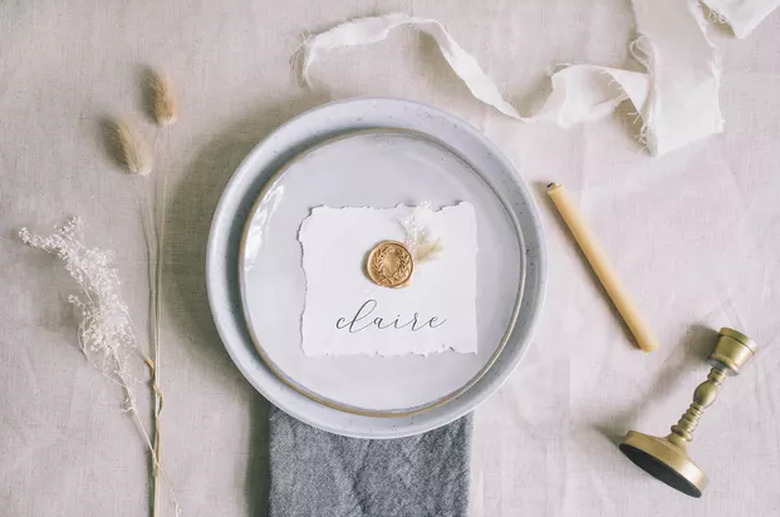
(742, 15)
(677, 96)
(580, 92)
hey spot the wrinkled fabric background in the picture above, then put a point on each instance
(695, 234)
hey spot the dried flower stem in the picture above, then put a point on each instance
(160, 212)
(130, 151)
(153, 219)
(106, 334)
(145, 198)
(162, 106)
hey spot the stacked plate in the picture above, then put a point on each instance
(378, 153)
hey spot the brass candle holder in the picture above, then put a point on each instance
(666, 458)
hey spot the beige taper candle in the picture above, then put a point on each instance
(602, 267)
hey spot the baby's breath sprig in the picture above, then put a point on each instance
(420, 240)
(106, 334)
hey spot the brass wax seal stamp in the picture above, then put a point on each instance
(666, 458)
(390, 264)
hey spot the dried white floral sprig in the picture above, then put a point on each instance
(420, 240)
(106, 334)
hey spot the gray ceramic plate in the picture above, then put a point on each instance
(321, 158)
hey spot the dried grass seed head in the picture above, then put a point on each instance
(127, 147)
(161, 99)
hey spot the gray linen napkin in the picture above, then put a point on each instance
(318, 474)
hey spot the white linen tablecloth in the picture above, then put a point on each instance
(695, 234)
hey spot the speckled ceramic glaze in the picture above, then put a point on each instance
(511, 248)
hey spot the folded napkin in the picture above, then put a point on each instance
(318, 474)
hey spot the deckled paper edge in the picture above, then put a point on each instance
(376, 353)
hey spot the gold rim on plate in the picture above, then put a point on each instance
(381, 413)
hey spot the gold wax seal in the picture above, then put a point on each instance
(390, 264)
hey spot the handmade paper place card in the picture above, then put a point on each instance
(389, 281)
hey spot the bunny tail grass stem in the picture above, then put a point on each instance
(160, 209)
(156, 458)
(162, 107)
(152, 360)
